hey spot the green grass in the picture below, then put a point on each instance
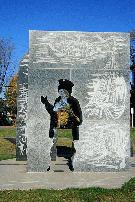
(64, 133)
(7, 156)
(124, 194)
(7, 149)
(64, 137)
(67, 142)
(7, 132)
(132, 133)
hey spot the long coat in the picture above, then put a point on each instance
(75, 106)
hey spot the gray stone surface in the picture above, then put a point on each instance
(21, 138)
(14, 175)
(41, 82)
(98, 65)
(104, 134)
(79, 49)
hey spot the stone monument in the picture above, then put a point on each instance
(21, 139)
(98, 65)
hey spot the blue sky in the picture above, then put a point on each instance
(17, 17)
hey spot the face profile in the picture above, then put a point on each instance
(63, 93)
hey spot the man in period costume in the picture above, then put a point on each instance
(65, 116)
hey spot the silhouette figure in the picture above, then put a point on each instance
(65, 116)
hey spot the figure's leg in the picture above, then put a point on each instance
(70, 160)
(53, 152)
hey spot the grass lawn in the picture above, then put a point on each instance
(7, 149)
(124, 194)
(132, 133)
(67, 142)
(7, 132)
(64, 137)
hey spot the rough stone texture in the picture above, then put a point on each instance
(41, 82)
(98, 65)
(104, 134)
(21, 139)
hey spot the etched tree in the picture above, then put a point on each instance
(106, 97)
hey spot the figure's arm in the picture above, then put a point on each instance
(77, 119)
(77, 112)
(48, 106)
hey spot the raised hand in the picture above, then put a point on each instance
(43, 99)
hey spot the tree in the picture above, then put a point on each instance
(132, 68)
(6, 50)
(132, 50)
(11, 95)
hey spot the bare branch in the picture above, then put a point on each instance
(6, 50)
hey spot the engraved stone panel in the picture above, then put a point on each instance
(104, 133)
(98, 65)
(21, 138)
(79, 49)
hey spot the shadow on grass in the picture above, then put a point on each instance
(11, 139)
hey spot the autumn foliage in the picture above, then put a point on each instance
(11, 95)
